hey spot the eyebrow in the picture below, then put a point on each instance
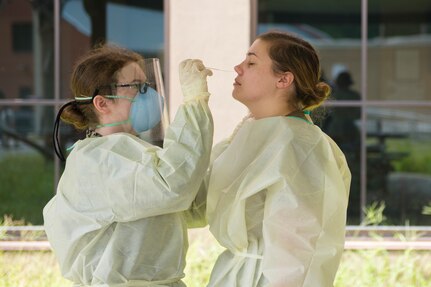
(252, 54)
(136, 80)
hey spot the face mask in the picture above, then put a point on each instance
(145, 111)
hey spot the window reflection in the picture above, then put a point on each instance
(17, 49)
(339, 50)
(22, 37)
(27, 74)
(136, 25)
(399, 50)
(398, 53)
(342, 124)
(398, 156)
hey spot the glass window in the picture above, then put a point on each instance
(16, 49)
(136, 25)
(22, 37)
(339, 47)
(398, 135)
(28, 101)
(27, 163)
(399, 50)
(343, 125)
(26, 77)
(396, 164)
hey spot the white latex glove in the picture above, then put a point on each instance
(193, 79)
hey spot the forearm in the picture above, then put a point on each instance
(195, 216)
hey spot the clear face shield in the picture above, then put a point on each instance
(148, 114)
(141, 104)
(140, 96)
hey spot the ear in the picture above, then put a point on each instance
(285, 80)
(101, 104)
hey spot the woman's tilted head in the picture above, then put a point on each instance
(295, 55)
(279, 75)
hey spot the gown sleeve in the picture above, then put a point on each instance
(196, 215)
(122, 178)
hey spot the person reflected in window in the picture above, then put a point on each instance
(343, 127)
(344, 120)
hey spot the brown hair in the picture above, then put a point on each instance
(293, 54)
(93, 75)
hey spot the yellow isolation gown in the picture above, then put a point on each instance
(116, 219)
(277, 199)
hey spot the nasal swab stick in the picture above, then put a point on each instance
(216, 69)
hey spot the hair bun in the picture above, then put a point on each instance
(320, 93)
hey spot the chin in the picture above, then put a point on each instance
(238, 98)
(235, 95)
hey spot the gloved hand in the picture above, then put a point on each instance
(193, 79)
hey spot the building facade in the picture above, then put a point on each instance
(375, 54)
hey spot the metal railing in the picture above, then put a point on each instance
(33, 238)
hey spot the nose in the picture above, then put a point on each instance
(238, 69)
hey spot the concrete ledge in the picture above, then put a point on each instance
(25, 246)
(387, 245)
